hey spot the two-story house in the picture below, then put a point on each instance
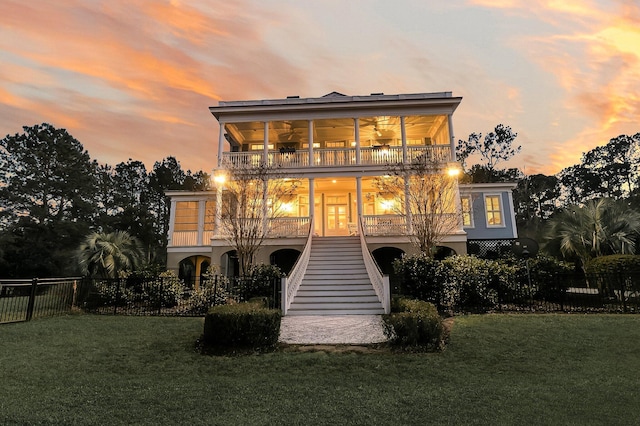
(336, 219)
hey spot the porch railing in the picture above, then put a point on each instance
(379, 281)
(369, 155)
(289, 227)
(291, 283)
(389, 224)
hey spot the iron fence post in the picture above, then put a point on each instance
(32, 299)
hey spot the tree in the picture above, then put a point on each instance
(109, 255)
(602, 227)
(535, 200)
(497, 146)
(425, 197)
(253, 197)
(47, 175)
(48, 197)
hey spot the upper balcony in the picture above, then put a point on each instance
(364, 141)
(379, 155)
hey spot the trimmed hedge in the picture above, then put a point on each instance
(414, 325)
(242, 325)
(616, 263)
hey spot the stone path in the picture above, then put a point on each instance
(332, 330)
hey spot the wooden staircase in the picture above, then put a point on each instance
(336, 281)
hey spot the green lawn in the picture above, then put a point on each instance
(497, 369)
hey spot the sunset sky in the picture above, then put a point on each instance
(134, 78)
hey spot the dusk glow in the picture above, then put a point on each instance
(134, 79)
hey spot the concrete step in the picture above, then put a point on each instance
(330, 292)
(364, 311)
(334, 287)
(332, 299)
(336, 305)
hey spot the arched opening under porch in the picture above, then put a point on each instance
(284, 259)
(191, 270)
(384, 257)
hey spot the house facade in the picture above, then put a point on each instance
(335, 152)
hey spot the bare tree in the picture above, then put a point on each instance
(253, 197)
(427, 197)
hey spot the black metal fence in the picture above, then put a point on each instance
(606, 293)
(170, 297)
(23, 300)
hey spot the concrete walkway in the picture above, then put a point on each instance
(332, 330)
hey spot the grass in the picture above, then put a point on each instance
(497, 369)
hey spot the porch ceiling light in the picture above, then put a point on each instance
(453, 171)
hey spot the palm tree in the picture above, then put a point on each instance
(603, 226)
(106, 255)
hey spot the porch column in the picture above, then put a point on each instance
(218, 217)
(265, 150)
(201, 211)
(407, 205)
(312, 194)
(356, 124)
(311, 162)
(452, 139)
(312, 200)
(172, 220)
(265, 208)
(220, 143)
(359, 197)
(403, 133)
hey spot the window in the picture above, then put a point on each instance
(186, 216)
(467, 216)
(494, 210)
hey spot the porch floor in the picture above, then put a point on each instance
(332, 330)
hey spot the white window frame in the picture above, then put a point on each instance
(486, 211)
(469, 212)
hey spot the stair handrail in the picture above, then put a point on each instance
(291, 283)
(379, 281)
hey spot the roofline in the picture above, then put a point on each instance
(488, 185)
(333, 102)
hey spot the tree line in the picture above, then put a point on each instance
(53, 195)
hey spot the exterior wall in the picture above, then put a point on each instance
(481, 229)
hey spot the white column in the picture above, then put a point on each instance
(359, 197)
(407, 205)
(356, 124)
(403, 132)
(201, 211)
(312, 199)
(172, 220)
(265, 207)
(220, 143)
(311, 162)
(265, 152)
(452, 139)
(218, 218)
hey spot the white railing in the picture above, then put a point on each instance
(184, 238)
(291, 283)
(288, 227)
(369, 155)
(388, 224)
(380, 282)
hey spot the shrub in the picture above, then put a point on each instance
(414, 325)
(260, 281)
(242, 325)
(421, 279)
(205, 297)
(112, 293)
(616, 275)
(165, 291)
(474, 280)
